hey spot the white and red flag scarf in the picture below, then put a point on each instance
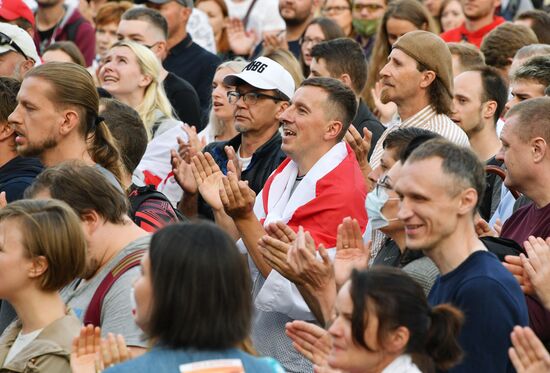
(333, 189)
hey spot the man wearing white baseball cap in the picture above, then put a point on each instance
(17, 51)
(262, 92)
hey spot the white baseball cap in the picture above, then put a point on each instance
(13, 38)
(264, 73)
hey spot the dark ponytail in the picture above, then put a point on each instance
(441, 343)
(103, 149)
(73, 85)
(399, 301)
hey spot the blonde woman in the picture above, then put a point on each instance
(42, 249)
(131, 73)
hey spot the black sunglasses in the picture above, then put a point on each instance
(6, 40)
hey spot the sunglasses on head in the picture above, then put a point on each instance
(6, 40)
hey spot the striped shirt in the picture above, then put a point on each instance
(428, 119)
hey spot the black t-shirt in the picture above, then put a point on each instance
(184, 100)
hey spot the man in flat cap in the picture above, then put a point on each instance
(418, 78)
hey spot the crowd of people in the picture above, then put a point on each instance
(275, 186)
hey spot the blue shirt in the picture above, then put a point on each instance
(493, 304)
(164, 360)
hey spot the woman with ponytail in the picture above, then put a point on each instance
(56, 119)
(382, 324)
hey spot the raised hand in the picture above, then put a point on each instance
(528, 354)
(85, 353)
(537, 267)
(360, 145)
(281, 231)
(514, 264)
(241, 41)
(183, 173)
(193, 145)
(275, 40)
(208, 178)
(385, 112)
(233, 163)
(237, 198)
(114, 350)
(351, 251)
(310, 340)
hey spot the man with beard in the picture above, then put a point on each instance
(115, 245)
(56, 21)
(418, 78)
(480, 20)
(479, 99)
(56, 119)
(296, 14)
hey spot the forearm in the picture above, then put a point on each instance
(226, 223)
(188, 204)
(251, 231)
(320, 301)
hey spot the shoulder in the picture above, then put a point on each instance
(451, 35)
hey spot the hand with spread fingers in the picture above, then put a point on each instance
(383, 111)
(537, 267)
(237, 197)
(85, 353)
(310, 340)
(193, 145)
(208, 178)
(528, 354)
(241, 41)
(275, 40)
(183, 173)
(360, 145)
(351, 251)
(514, 264)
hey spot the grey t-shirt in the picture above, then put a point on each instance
(116, 310)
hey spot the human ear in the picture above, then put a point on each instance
(538, 149)
(428, 77)
(489, 109)
(333, 130)
(38, 267)
(70, 120)
(397, 340)
(468, 201)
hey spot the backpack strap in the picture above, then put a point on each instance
(72, 29)
(93, 313)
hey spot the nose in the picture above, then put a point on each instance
(335, 329)
(375, 174)
(218, 92)
(286, 116)
(500, 155)
(405, 211)
(14, 118)
(384, 72)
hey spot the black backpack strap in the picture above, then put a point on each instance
(72, 29)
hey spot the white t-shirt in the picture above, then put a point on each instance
(245, 162)
(22, 341)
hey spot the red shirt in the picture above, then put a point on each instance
(474, 37)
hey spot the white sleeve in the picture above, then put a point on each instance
(280, 295)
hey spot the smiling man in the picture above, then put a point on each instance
(418, 78)
(438, 213)
(316, 187)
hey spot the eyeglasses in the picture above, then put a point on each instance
(370, 7)
(250, 98)
(334, 9)
(383, 184)
(6, 40)
(314, 41)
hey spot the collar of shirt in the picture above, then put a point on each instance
(182, 45)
